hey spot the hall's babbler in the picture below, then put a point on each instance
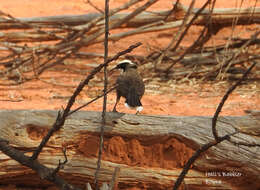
(130, 85)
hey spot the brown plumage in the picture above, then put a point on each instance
(129, 85)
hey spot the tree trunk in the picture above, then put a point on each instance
(150, 150)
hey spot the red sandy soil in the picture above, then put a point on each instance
(182, 99)
(177, 98)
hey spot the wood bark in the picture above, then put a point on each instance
(221, 16)
(149, 150)
(144, 22)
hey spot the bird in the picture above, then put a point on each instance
(130, 85)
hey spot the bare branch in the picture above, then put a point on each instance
(94, 6)
(225, 97)
(93, 100)
(186, 30)
(61, 164)
(196, 155)
(217, 138)
(101, 139)
(42, 171)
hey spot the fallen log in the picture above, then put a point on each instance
(144, 22)
(150, 150)
(220, 16)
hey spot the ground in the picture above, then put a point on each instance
(179, 98)
(185, 98)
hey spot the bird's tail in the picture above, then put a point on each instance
(133, 100)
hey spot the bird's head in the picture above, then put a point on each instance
(126, 64)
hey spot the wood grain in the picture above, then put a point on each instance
(148, 149)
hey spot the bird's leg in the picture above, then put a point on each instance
(137, 113)
(117, 100)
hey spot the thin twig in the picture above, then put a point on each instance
(133, 14)
(93, 100)
(186, 30)
(225, 97)
(217, 139)
(61, 164)
(101, 139)
(243, 143)
(174, 9)
(180, 30)
(193, 158)
(42, 171)
(94, 37)
(184, 22)
(199, 41)
(94, 6)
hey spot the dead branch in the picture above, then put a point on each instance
(69, 33)
(43, 171)
(49, 55)
(103, 117)
(220, 16)
(212, 63)
(217, 139)
(225, 97)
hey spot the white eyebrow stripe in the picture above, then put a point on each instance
(127, 61)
